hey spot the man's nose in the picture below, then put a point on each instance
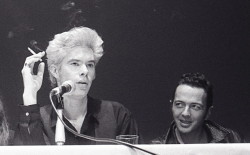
(84, 70)
(186, 112)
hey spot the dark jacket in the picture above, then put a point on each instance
(215, 132)
(104, 119)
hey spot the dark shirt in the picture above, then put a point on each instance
(215, 133)
(104, 119)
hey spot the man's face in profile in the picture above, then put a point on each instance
(189, 108)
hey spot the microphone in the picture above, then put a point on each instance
(66, 87)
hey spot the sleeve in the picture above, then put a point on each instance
(29, 130)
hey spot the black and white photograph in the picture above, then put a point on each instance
(125, 77)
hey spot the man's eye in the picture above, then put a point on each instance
(91, 65)
(196, 107)
(75, 64)
(179, 105)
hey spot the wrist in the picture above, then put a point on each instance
(29, 98)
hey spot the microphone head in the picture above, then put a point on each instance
(65, 87)
(68, 86)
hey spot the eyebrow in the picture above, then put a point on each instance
(190, 103)
(178, 101)
(77, 60)
(74, 60)
(92, 61)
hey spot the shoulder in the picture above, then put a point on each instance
(107, 105)
(221, 133)
(234, 136)
(118, 108)
(114, 104)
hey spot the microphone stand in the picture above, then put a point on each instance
(60, 131)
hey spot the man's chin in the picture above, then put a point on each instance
(184, 130)
(76, 94)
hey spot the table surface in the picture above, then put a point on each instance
(160, 149)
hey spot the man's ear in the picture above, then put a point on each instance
(209, 110)
(54, 71)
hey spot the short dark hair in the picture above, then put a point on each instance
(198, 80)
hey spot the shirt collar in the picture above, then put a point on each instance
(173, 135)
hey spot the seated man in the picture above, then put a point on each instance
(191, 106)
(73, 56)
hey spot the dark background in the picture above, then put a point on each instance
(148, 45)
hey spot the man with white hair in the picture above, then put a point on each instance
(71, 55)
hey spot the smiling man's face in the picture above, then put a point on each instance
(189, 108)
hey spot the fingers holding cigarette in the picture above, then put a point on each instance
(29, 62)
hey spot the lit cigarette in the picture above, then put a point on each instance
(31, 51)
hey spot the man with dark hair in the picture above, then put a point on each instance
(191, 106)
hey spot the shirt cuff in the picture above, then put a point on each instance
(29, 113)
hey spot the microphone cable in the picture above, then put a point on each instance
(107, 140)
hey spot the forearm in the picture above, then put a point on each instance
(29, 97)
